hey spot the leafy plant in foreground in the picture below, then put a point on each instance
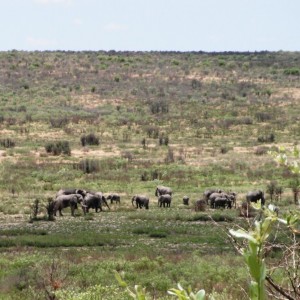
(139, 293)
(254, 253)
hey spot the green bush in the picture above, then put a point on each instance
(158, 234)
(89, 139)
(89, 165)
(7, 143)
(57, 148)
(292, 71)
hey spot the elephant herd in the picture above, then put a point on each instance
(87, 199)
(214, 198)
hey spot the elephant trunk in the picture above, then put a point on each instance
(104, 200)
(84, 208)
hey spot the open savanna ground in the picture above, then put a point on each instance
(126, 122)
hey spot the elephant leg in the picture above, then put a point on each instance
(60, 213)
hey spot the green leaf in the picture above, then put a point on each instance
(243, 234)
(296, 152)
(254, 291)
(257, 205)
(254, 267)
(200, 295)
(121, 282)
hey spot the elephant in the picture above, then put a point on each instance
(140, 201)
(162, 190)
(164, 200)
(213, 196)
(208, 192)
(222, 202)
(185, 200)
(63, 201)
(254, 196)
(71, 191)
(232, 197)
(114, 198)
(94, 200)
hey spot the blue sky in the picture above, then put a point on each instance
(150, 25)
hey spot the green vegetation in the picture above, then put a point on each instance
(126, 122)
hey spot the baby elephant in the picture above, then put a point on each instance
(114, 198)
(164, 200)
(185, 200)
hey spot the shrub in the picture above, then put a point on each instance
(159, 107)
(89, 139)
(263, 116)
(127, 155)
(269, 138)
(246, 210)
(7, 143)
(89, 165)
(61, 147)
(224, 149)
(164, 140)
(49, 209)
(59, 122)
(152, 131)
(170, 157)
(261, 150)
(35, 209)
(292, 71)
(158, 234)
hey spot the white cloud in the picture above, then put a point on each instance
(41, 43)
(67, 2)
(115, 27)
(78, 21)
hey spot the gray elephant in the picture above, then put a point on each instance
(94, 200)
(114, 198)
(222, 202)
(185, 200)
(63, 201)
(232, 198)
(254, 196)
(208, 192)
(70, 192)
(214, 196)
(164, 200)
(163, 190)
(140, 201)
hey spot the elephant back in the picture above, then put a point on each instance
(163, 190)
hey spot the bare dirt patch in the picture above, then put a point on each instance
(293, 93)
(92, 101)
(95, 153)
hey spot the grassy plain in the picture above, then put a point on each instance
(186, 120)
